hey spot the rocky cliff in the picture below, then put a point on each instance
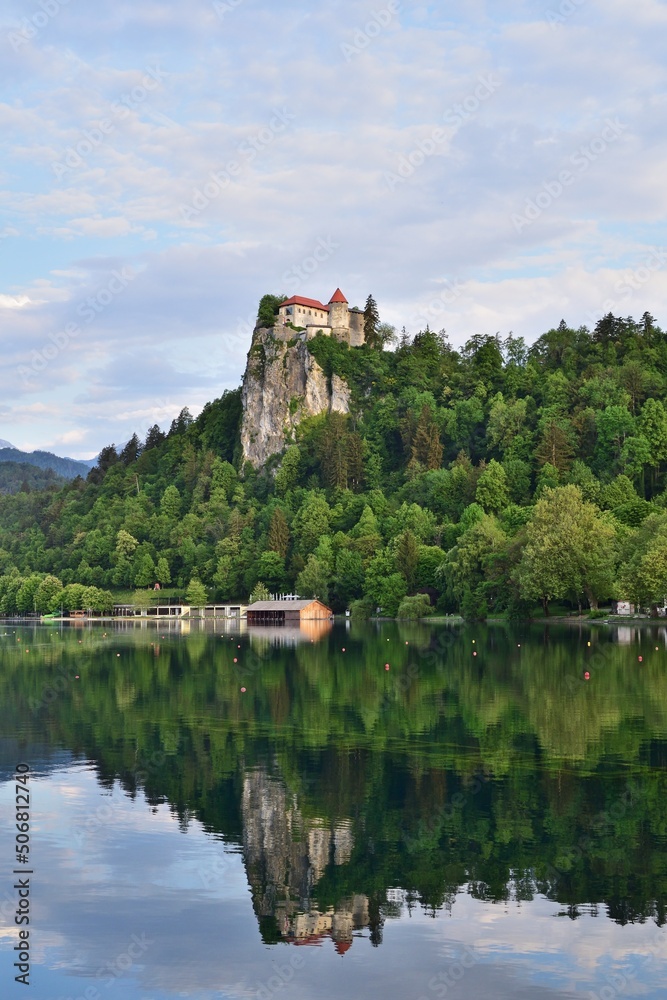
(283, 384)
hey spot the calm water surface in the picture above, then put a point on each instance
(478, 820)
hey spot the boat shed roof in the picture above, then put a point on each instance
(283, 605)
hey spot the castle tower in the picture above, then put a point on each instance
(339, 316)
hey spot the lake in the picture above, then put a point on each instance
(378, 811)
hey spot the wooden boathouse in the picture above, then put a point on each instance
(288, 612)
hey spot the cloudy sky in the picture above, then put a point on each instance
(479, 166)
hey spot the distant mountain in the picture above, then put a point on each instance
(5, 444)
(70, 468)
(17, 476)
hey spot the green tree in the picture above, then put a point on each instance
(25, 599)
(271, 569)
(144, 575)
(407, 557)
(48, 594)
(71, 598)
(94, 599)
(372, 324)
(278, 540)
(555, 447)
(162, 572)
(643, 574)
(288, 474)
(506, 421)
(260, 592)
(425, 447)
(170, 504)
(418, 606)
(196, 595)
(125, 544)
(312, 520)
(570, 549)
(492, 488)
(313, 580)
(390, 592)
(614, 424)
(652, 426)
(470, 566)
(267, 310)
(349, 576)
(635, 456)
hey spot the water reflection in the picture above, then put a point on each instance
(478, 788)
(286, 855)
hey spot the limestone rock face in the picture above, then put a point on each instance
(283, 384)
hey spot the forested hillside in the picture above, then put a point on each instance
(17, 476)
(68, 468)
(488, 480)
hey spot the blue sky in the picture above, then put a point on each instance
(482, 167)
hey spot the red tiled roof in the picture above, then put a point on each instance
(298, 300)
(337, 297)
(342, 946)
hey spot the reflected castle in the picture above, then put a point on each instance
(285, 857)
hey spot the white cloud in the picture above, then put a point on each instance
(323, 175)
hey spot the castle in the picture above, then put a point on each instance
(335, 320)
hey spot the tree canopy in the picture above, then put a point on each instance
(491, 479)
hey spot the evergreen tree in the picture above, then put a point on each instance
(555, 448)
(426, 447)
(278, 540)
(372, 324)
(144, 575)
(260, 592)
(154, 437)
(196, 595)
(131, 451)
(407, 557)
(162, 573)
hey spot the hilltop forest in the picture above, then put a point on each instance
(495, 479)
